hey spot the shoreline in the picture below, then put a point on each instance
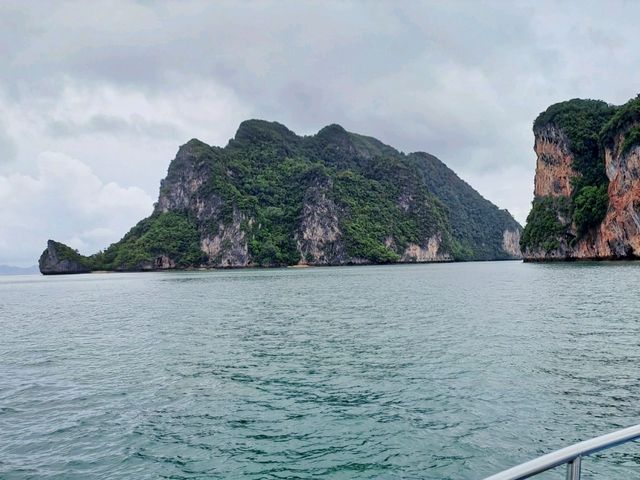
(296, 267)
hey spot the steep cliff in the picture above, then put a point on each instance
(587, 184)
(59, 259)
(273, 198)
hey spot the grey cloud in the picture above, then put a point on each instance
(110, 124)
(8, 147)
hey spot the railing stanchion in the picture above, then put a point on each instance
(573, 469)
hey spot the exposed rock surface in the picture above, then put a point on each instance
(511, 242)
(428, 251)
(619, 234)
(227, 247)
(319, 239)
(554, 169)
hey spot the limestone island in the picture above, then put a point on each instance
(587, 185)
(272, 198)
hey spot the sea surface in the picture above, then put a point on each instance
(443, 371)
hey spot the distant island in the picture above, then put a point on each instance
(273, 198)
(587, 184)
(11, 270)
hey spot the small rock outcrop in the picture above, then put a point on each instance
(60, 259)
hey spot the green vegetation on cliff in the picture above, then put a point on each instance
(271, 193)
(172, 234)
(581, 121)
(64, 252)
(266, 170)
(624, 117)
(631, 139)
(544, 229)
(375, 215)
(589, 207)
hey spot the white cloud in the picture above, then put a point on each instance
(66, 201)
(122, 133)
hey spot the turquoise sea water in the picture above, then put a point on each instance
(444, 371)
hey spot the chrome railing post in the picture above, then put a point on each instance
(573, 469)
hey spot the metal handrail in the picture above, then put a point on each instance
(571, 455)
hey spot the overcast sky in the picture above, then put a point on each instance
(96, 97)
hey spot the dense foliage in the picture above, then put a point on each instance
(544, 229)
(582, 122)
(271, 193)
(624, 117)
(589, 207)
(374, 214)
(266, 179)
(172, 234)
(631, 139)
(65, 252)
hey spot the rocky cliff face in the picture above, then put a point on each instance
(319, 238)
(554, 166)
(556, 229)
(222, 240)
(619, 233)
(273, 198)
(60, 259)
(511, 242)
(429, 251)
